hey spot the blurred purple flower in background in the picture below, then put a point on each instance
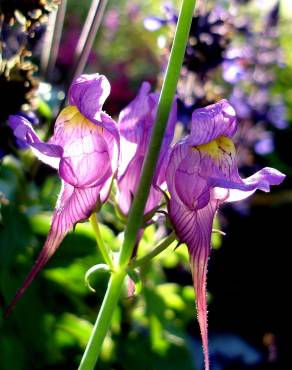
(153, 23)
(236, 60)
(225, 56)
(84, 149)
(249, 66)
(201, 174)
(112, 20)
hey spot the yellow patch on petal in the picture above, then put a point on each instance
(217, 147)
(72, 116)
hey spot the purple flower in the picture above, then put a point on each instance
(135, 124)
(272, 19)
(112, 20)
(265, 145)
(84, 149)
(277, 114)
(202, 174)
(153, 23)
(233, 71)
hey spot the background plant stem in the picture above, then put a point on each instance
(137, 210)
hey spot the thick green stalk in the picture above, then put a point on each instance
(164, 106)
(103, 321)
(137, 210)
(103, 249)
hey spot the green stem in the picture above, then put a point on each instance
(137, 210)
(103, 321)
(103, 249)
(157, 250)
(164, 106)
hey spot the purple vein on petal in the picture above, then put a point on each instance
(194, 229)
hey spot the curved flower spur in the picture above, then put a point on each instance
(84, 149)
(202, 174)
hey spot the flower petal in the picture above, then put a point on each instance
(187, 176)
(136, 123)
(46, 152)
(191, 180)
(152, 23)
(88, 93)
(86, 158)
(128, 184)
(211, 122)
(178, 153)
(111, 126)
(223, 173)
(132, 115)
(194, 228)
(73, 206)
(159, 175)
(240, 189)
(132, 123)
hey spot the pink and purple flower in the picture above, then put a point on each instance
(84, 149)
(202, 174)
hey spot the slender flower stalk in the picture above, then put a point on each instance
(137, 210)
(101, 246)
(156, 251)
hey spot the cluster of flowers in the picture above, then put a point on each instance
(249, 67)
(90, 150)
(210, 35)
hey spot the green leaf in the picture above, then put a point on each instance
(171, 294)
(71, 328)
